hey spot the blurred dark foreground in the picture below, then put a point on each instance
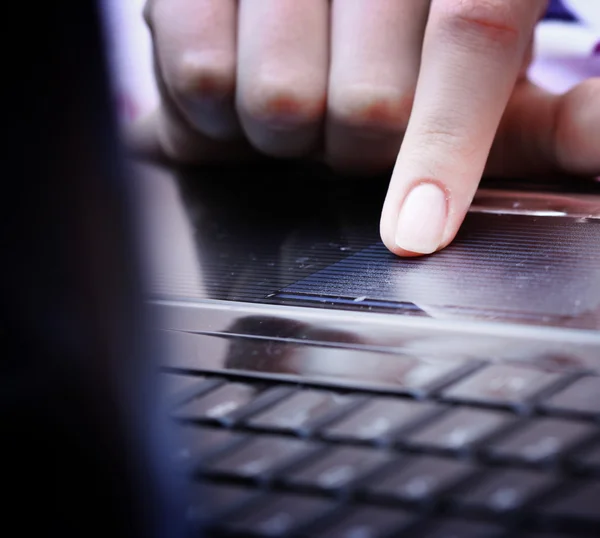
(81, 434)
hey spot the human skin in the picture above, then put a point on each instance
(434, 90)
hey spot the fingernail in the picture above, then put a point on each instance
(422, 219)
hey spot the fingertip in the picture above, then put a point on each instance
(415, 218)
(395, 249)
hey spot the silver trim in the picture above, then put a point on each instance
(544, 347)
(540, 204)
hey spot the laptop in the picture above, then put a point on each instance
(315, 385)
(324, 387)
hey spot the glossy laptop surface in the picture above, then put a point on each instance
(326, 388)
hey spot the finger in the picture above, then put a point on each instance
(576, 136)
(282, 73)
(472, 55)
(195, 46)
(375, 56)
(545, 133)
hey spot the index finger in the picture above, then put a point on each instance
(472, 54)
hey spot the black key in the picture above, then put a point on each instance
(178, 387)
(228, 402)
(420, 478)
(218, 403)
(210, 501)
(459, 430)
(540, 440)
(457, 529)
(506, 490)
(279, 515)
(339, 467)
(404, 374)
(261, 457)
(195, 443)
(502, 384)
(303, 411)
(589, 458)
(580, 397)
(379, 419)
(365, 522)
(580, 503)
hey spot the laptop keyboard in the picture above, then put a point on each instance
(502, 451)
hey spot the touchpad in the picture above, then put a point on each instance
(540, 270)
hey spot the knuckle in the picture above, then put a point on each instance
(489, 21)
(271, 101)
(198, 75)
(444, 138)
(440, 136)
(372, 108)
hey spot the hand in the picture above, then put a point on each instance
(353, 80)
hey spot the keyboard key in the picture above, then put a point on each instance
(196, 443)
(502, 384)
(506, 490)
(588, 458)
(178, 387)
(279, 515)
(303, 411)
(580, 397)
(210, 501)
(459, 429)
(339, 467)
(228, 402)
(540, 440)
(261, 457)
(457, 529)
(580, 503)
(379, 419)
(404, 374)
(420, 478)
(218, 403)
(365, 522)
